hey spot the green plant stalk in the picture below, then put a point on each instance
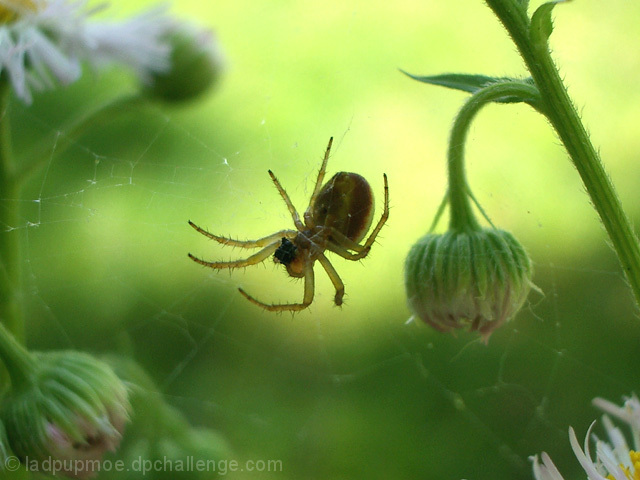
(11, 307)
(565, 120)
(20, 364)
(462, 217)
(12, 177)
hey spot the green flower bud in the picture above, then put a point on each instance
(65, 406)
(475, 279)
(196, 65)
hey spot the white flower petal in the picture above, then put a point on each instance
(46, 58)
(628, 413)
(585, 460)
(546, 471)
(13, 63)
(610, 461)
(138, 43)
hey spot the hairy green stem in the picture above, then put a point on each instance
(12, 178)
(11, 306)
(565, 119)
(462, 217)
(20, 364)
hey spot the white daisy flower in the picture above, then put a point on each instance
(44, 42)
(614, 460)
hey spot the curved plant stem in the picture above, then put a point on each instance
(462, 216)
(563, 116)
(11, 311)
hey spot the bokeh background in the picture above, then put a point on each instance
(350, 392)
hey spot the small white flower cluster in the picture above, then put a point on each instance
(614, 459)
(44, 42)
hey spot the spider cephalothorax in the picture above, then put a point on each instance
(338, 217)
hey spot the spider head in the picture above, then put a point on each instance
(288, 255)
(286, 252)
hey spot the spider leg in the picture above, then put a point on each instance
(343, 251)
(341, 244)
(261, 242)
(334, 277)
(309, 288)
(339, 238)
(287, 200)
(383, 218)
(319, 180)
(257, 257)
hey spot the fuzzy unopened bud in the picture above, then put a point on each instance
(71, 409)
(475, 279)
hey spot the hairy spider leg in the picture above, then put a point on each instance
(260, 242)
(340, 244)
(287, 200)
(308, 214)
(292, 307)
(254, 259)
(383, 219)
(334, 277)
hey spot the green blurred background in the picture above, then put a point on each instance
(351, 392)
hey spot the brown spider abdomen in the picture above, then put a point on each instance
(345, 203)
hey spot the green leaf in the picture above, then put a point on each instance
(457, 81)
(470, 83)
(542, 24)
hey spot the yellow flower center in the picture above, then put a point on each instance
(632, 473)
(11, 9)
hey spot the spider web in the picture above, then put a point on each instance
(351, 392)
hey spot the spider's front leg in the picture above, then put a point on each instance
(261, 242)
(309, 288)
(257, 257)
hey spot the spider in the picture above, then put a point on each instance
(338, 217)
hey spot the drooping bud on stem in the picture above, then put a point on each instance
(469, 277)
